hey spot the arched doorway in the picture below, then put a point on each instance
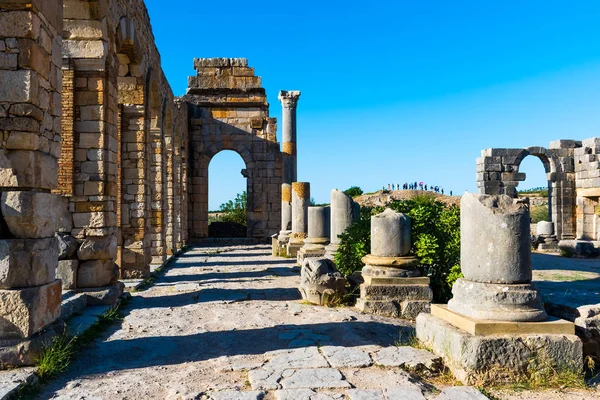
(227, 195)
(537, 188)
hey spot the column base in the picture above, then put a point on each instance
(293, 246)
(313, 248)
(482, 359)
(331, 250)
(274, 246)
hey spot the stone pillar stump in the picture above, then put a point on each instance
(318, 234)
(393, 286)
(344, 211)
(300, 204)
(495, 320)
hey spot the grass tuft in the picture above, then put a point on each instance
(55, 357)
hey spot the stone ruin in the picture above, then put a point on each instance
(103, 171)
(496, 323)
(573, 174)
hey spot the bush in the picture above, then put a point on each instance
(436, 241)
(538, 213)
(235, 210)
(354, 191)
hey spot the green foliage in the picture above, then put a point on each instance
(538, 213)
(436, 241)
(355, 243)
(55, 357)
(235, 210)
(354, 191)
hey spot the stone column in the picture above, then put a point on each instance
(300, 204)
(318, 233)
(344, 211)
(289, 101)
(487, 325)
(496, 261)
(286, 218)
(30, 119)
(393, 285)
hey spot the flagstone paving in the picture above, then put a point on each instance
(228, 323)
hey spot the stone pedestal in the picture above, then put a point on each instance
(393, 286)
(300, 204)
(496, 321)
(344, 211)
(318, 234)
(547, 242)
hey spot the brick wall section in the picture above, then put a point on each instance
(65, 163)
(229, 111)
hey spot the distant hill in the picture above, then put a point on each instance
(383, 198)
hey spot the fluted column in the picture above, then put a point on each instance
(289, 102)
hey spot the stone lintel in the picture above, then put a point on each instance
(591, 192)
(552, 326)
(400, 262)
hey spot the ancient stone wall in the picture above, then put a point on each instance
(573, 175)
(125, 169)
(229, 111)
(30, 126)
(587, 182)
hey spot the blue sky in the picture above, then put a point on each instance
(394, 91)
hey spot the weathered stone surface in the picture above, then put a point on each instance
(390, 234)
(12, 381)
(461, 393)
(27, 262)
(98, 248)
(319, 219)
(396, 292)
(342, 357)
(467, 354)
(64, 218)
(26, 311)
(67, 246)
(265, 379)
(498, 302)
(67, 273)
(319, 280)
(237, 395)
(30, 214)
(308, 357)
(96, 273)
(385, 394)
(319, 378)
(31, 169)
(300, 204)
(409, 358)
(306, 394)
(545, 228)
(107, 295)
(495, 236)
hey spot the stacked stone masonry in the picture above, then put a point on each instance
(573, 175)
(228, 110)
(96, 161)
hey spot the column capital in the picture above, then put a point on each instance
(289, 98)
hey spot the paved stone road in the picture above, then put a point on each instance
(228, 324)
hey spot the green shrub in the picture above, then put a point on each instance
(235, 210)
(436, 241)
(538, 213)
(354, 191)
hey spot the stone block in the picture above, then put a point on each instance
(30, 169)
(30, 214)
(27, 262)
(469, 356)
(85, 48)
(96, 273)
(98, 248)
(24, 312)
(67, 273)
(396, 292)
(104, 295)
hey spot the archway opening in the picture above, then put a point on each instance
(537, 187)
(227, 195)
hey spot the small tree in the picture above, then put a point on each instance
(354, 191)
(235, 210)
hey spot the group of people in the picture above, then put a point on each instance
(416, 186)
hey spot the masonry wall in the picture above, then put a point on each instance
(573, 174)
(229, 111)
(30, 144)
